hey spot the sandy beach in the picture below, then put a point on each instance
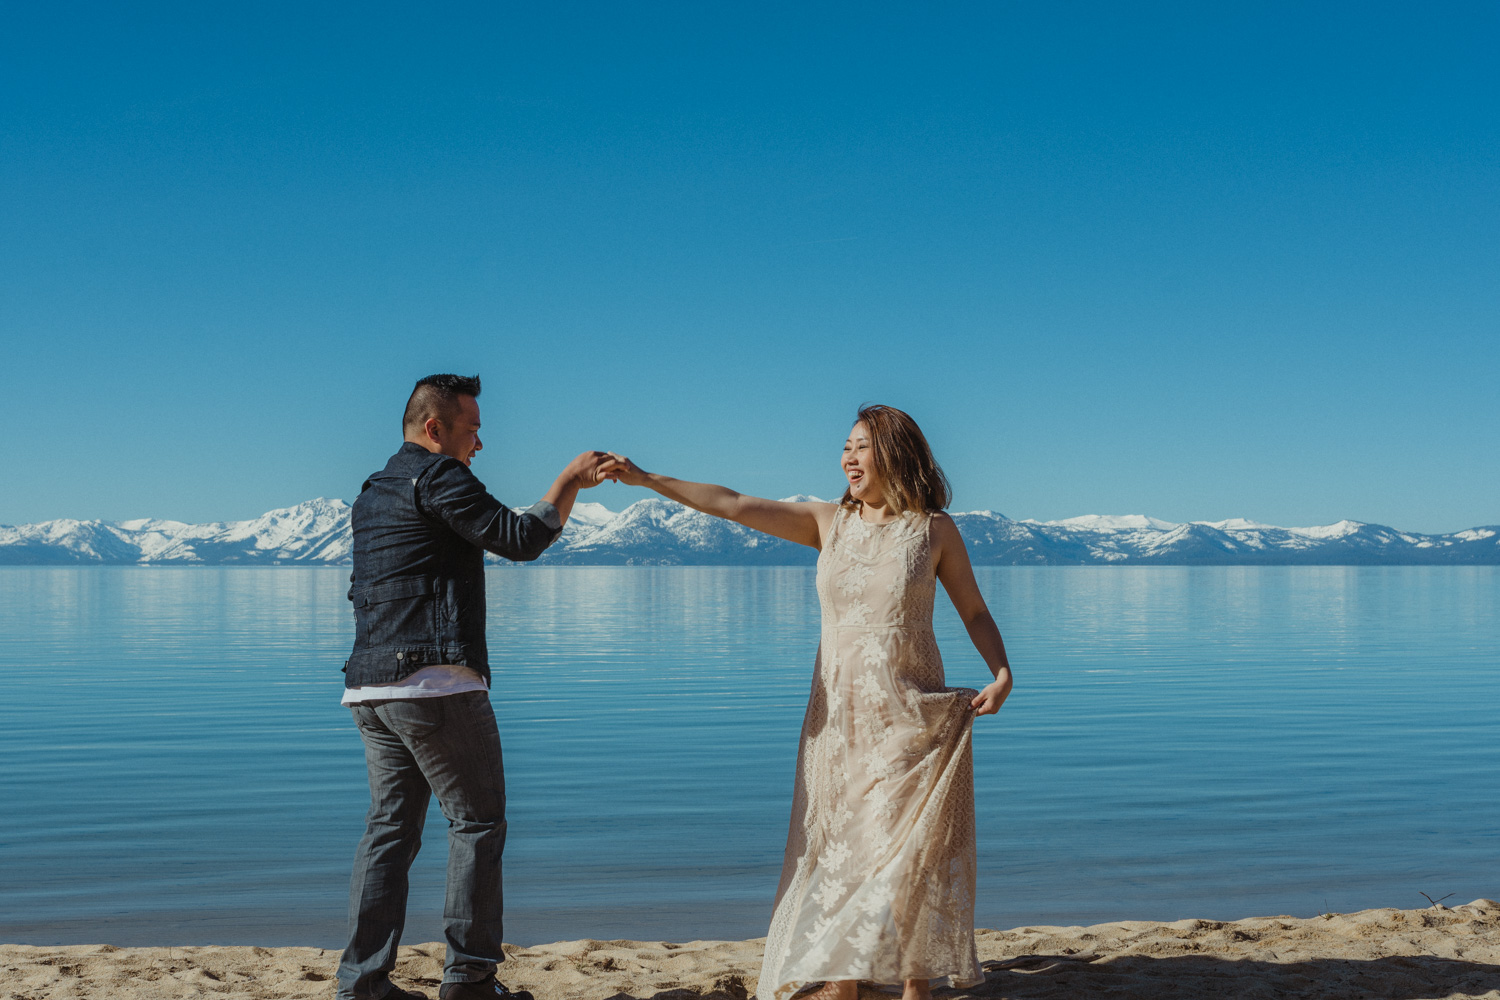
(1387, 953)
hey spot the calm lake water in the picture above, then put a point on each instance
(1212, 742)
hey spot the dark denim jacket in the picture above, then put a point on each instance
(421, 528)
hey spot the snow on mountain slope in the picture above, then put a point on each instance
(590, 515)
(316, 531)
(1106, 522)
(65, 541)
(660, 532)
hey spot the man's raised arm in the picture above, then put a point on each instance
(450, 493)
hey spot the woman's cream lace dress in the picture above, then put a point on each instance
(878, 881)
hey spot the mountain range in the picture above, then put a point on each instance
(660, 532)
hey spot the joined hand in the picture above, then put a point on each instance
(584, 469)
(621, 470)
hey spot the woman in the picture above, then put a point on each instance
(878, 880)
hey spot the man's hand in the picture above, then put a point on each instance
(622, 470)
(584, 471)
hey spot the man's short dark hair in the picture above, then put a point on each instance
(437, 396)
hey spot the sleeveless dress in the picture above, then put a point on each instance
(878, 879)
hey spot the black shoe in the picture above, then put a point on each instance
(485, 989)
(397, 993)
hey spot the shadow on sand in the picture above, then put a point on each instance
(1139, 977)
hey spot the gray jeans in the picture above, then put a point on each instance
(413, 748)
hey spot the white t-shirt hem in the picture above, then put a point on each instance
(436, 681)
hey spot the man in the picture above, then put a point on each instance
(417, 683)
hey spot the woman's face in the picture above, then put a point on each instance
(859, 466)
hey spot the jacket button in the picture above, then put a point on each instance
(400, 655)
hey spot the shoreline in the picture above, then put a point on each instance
(1451, 952)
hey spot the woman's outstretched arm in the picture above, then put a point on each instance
(803, 523)
(957, 575)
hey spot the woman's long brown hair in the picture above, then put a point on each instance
(911, 477)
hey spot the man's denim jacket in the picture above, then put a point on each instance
(421, 528)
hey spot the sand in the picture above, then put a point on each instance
(1391, 954)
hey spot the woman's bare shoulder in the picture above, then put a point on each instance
(943, 531)
(943, 522)
(824, 511)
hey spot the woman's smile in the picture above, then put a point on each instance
(857, 450)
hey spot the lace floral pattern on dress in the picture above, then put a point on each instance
(878, 879)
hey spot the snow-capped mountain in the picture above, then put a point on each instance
(314, 532)
(1137, 540)
(660, 532)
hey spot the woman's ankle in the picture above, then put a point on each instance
(916, 989)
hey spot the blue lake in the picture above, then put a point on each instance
(1216, 742)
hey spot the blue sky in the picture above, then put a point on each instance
(1187, 260)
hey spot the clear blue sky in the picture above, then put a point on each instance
(1195, 261)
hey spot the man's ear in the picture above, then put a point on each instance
(433, 427)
